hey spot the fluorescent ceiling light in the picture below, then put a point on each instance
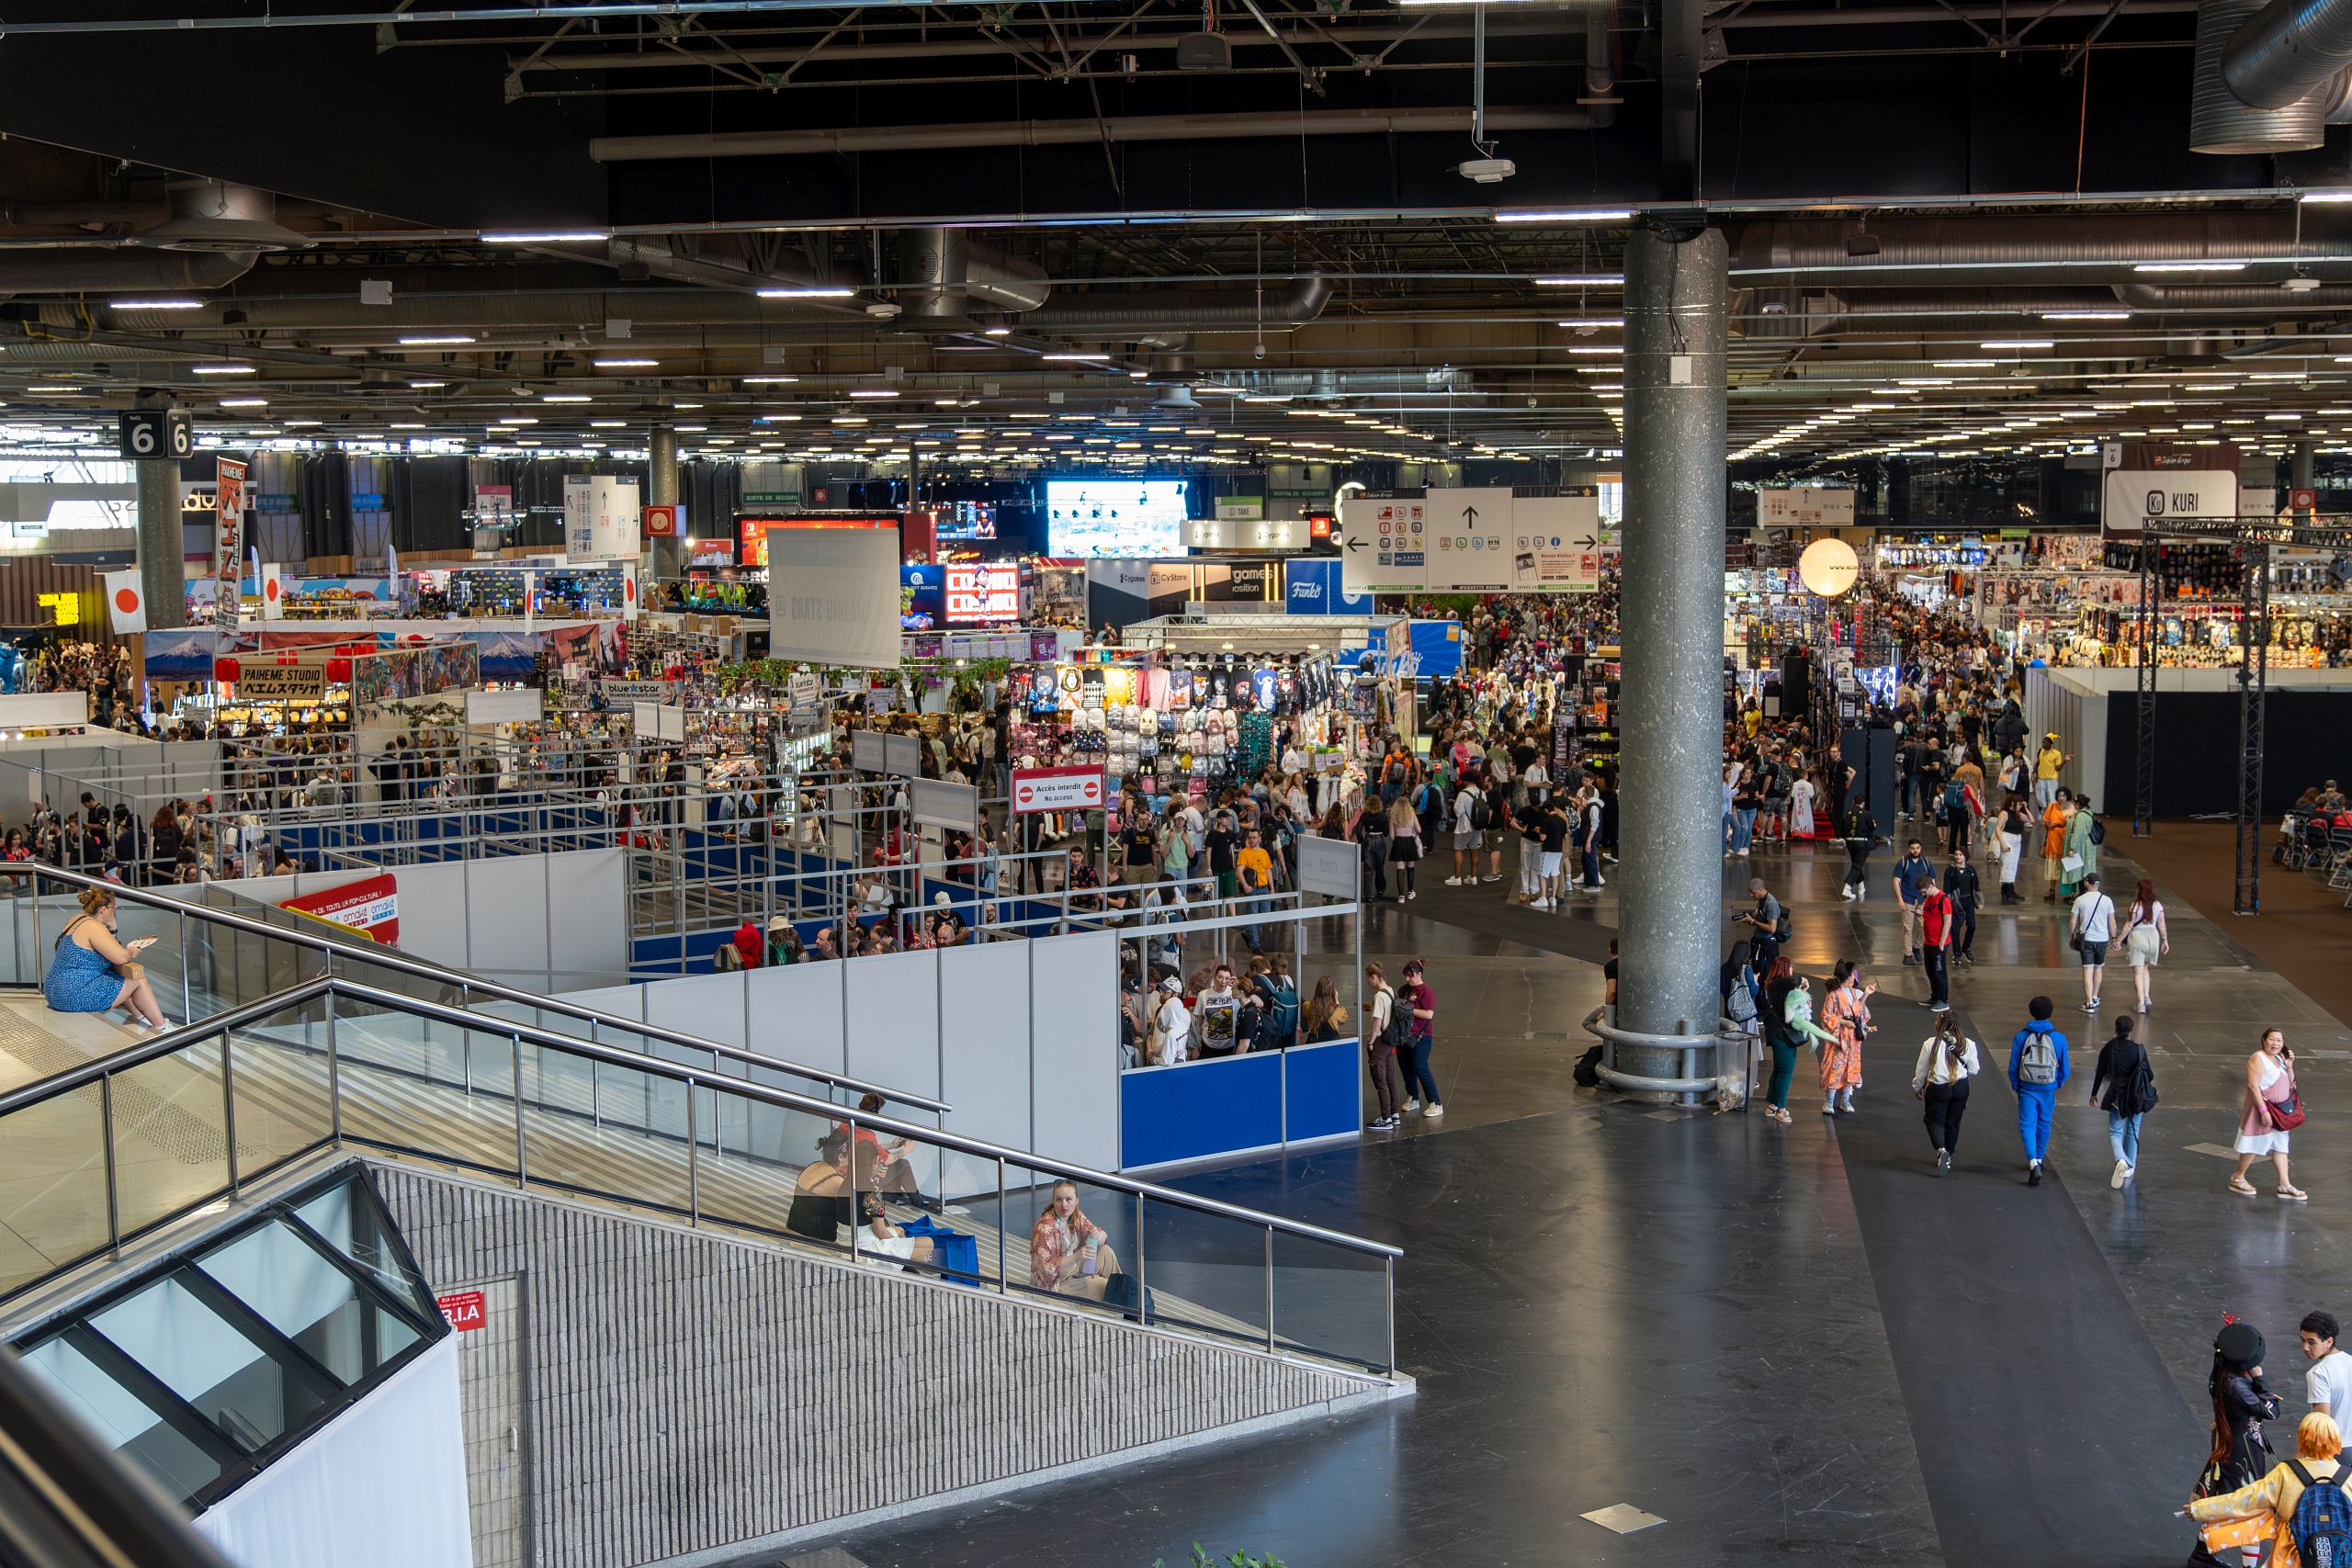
(515, 419)
(158, 304)
(1570, 215)
(2085, 315)
(1083, 356)
(244, 402)
(2190, 267)
(546, 237)
(52, 388)
(1597, 321)
(807, 293)
(872, 393)
(1961, 364)
(996, 332)
(2018, 343)
(1597, 348)
(622, 364)
(608, 425)
(438, 338)
(220, 369)
(766, 380)
(426, 386)
(2327, 197)
(1597, 280)
(564, 398)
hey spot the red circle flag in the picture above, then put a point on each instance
(126, 600)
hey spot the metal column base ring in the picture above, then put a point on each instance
(1600, 1023)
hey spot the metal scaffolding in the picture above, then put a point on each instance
(2251, 539)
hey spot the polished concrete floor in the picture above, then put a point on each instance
(1789, 1344)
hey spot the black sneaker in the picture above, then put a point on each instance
(2033, 1175)
(1912, 959)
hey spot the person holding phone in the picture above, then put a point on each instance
(95, 971)
(1069, 1254)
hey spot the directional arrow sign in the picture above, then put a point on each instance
(1470, 515)
(1588, 542)
(1355, 543)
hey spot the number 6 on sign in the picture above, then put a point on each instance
(156, 433)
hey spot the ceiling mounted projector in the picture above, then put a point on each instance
(1486, 170)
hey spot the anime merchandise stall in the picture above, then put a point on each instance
(1189, 704)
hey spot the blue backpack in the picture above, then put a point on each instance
(2322, 1523)
(1285, 1019)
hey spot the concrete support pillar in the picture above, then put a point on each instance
(661, 490)
(1671, 916)
(163, 574)
(2303, 451)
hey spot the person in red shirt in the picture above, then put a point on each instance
(1937, 916)
(750, 941)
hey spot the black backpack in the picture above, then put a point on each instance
(1397, 1035)
(1587, 1068)
(1482, 815)
(2098, 832)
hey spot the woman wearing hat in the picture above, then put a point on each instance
(784, 942)
(2242, 1402)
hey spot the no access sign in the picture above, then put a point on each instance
(1056, 789)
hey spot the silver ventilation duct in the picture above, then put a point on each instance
(210, 217)
(931, 275)
(126, 270)
(1008, 281)
(2053, 250)
(2287, 51)
(1106, 312)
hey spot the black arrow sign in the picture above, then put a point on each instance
(1355, 543)
(1470, 516)
(1588, 542)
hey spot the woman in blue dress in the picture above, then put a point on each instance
(94, 971)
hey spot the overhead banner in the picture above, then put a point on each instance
(370, 906)
(1805, 507)
(833, 597)
(1556, 544)
(1441, 541)
(1382, 541)
(601, 517)
(2149, 482)
(229, 548)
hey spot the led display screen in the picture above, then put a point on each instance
(1133, 518)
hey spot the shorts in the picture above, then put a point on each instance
(2094, 954)
(1467, 839)
(1551, 864)
(1494, 837)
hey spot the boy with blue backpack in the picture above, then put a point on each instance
(2037, 1071)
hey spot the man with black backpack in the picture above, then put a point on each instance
(1470, 822)
(2037, 1071)
(1385, 1027)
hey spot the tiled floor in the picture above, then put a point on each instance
(1790, 1344)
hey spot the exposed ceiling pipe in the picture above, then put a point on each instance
(2287, 50)
(1080, 132)
(582, 311)
(2220, 121)
(679, 259)
(1003, 280)
(931, 275)
(2225, 296)
(1600, 77)
(126, 269)
(1107, 312)
(2055, 250)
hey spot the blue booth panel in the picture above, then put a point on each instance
(1226, 1106)
(1324, 1098)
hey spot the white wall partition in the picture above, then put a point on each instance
(1020, 1037)
(382, 1486)
(1074, 1018)
(892, 1012)
(542, 922)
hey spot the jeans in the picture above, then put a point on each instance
(1731, 831)
(2033, 1118)
(1784, 1068)
(1418, 1084)
(2123, 1135)
(1592, 866)
(1744, 834)
(1939, 963)
(1251, 907)
(1947, 1103)
(2044, 792)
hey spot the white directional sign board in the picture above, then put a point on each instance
(1382, 543)
(1556, 544)
(1470, 538)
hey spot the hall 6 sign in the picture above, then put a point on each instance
(157, 432)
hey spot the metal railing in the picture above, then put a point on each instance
(470, 989)
(190, 1117)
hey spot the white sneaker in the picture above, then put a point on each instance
(1847, 895)
(1453, 882)
(2116, 1177)
(1412, 1105)
(1436, 1109)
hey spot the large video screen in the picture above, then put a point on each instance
(1114, 517)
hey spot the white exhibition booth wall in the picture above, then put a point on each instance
(1020, 1037)
(543, 923)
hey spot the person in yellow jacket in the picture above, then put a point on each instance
(2317, 1443)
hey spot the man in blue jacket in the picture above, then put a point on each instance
(2037, 1071)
